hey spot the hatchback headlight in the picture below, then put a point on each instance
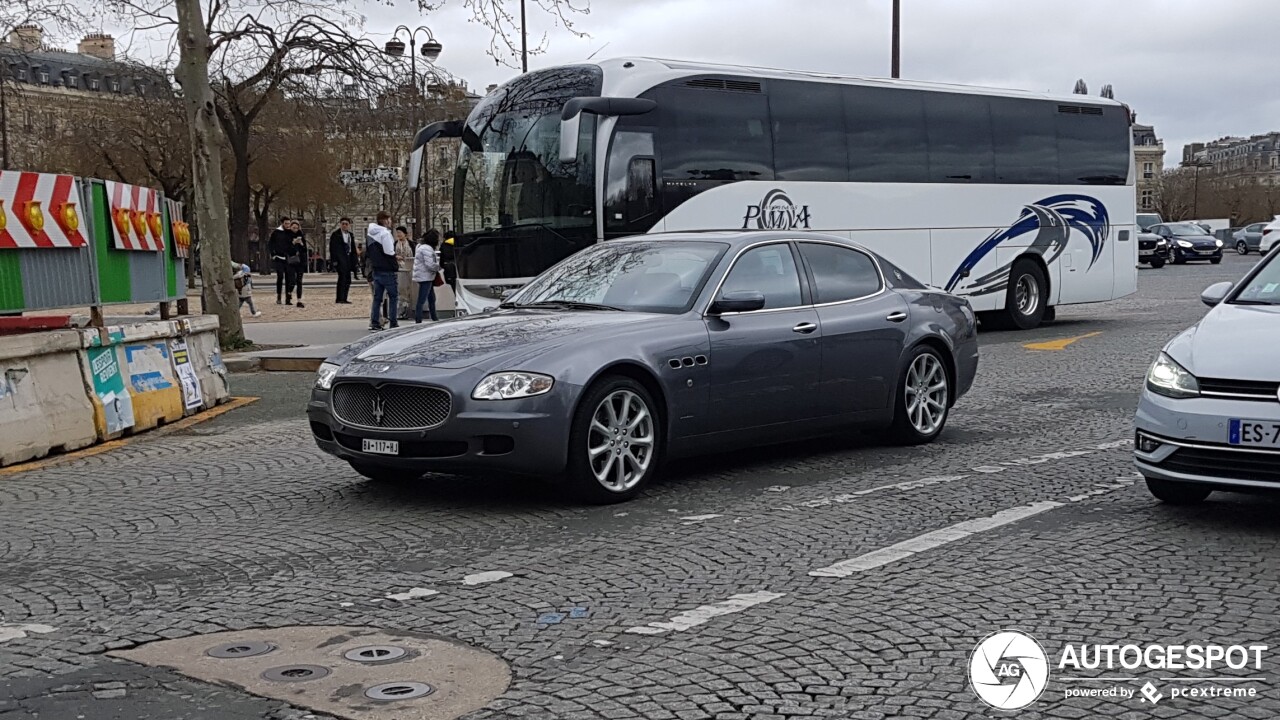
(1219, 242)
(1184, 243)
(511, 385)
(328, 371)
(1170, 379)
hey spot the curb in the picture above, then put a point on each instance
(241, 364)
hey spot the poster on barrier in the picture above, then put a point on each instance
(187, 377)
(108, 385)
(147, 363)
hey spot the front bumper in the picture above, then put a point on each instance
(1192, 436)
(1197, 253)
(1147, 254)
(526, 436)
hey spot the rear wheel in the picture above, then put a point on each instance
(1242, 247)
(1025, 301)
(1178, 493)
(615, 444)
(923, 398)
(1157, 262)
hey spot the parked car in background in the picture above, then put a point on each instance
(1189, 241)
(1152, 249)
(1270, 236)
(1208, 417)
(1248, 238)
(1146, 220)
(638, 349)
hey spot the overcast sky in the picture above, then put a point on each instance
(1195, 69)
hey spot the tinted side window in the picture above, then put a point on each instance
(1025, 140)
(630, 194)
(1093, 149)
(768, 269)
(887, 141)
(839, 273)
(808, 131)
(960, 148)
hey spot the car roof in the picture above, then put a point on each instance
(738, 238)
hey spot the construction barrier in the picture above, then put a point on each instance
(64, 389)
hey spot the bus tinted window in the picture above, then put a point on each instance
(1093, 149)
(1026, 141)
(887, 141)
(708, 137)
(960, 147)
(808, 131)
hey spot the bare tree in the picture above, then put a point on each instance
(507, 22)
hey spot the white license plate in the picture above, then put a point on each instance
(380, 447)
(1254, 433)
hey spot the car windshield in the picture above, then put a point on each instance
(1186, 229)
(1146, 221)
(641, 275)
(1263, 288)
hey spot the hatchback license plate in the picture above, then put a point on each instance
(1254, 433)
(380, 447)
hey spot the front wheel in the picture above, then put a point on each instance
(1157, 262)
(1242, 247)
(923, 398)
(615, 443)
(1215, 261)
(1178, 493)
(1025, 300)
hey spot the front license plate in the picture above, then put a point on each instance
(1254, 433)
(381, 447)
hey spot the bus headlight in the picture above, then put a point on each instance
(1170, 379)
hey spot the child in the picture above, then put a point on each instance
(243, 279)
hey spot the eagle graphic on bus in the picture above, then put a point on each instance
(1052, 219)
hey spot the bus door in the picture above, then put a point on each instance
(631, 200)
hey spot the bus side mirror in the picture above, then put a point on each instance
(569, 130)
(571, 115)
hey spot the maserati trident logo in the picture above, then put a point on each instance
(776, 212)
(379, 409)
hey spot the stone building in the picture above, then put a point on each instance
(1148, 161)
(1256, 157)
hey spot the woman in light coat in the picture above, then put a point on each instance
(426, 266)
(404, 279)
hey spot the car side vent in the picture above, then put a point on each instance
(1079, 110)
(720, 84)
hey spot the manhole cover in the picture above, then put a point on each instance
(295, 673)
(398, 691)
(247, 648)
(376, 654)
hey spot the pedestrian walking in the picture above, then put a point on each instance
(342, 251)
(278, 248)
(404, 277)
(296, 262)
(426, 273)
(380, 249)
(242, 278)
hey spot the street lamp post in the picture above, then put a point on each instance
(524, 42)
(431, 50)
(897, 48)
(1195, 189)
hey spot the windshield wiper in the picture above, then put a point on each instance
(569, 304)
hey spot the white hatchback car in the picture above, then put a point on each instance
(1270, 236)
(1209, 414)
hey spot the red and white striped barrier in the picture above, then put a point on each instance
(136, 223)
(180, 231)
(40, 210)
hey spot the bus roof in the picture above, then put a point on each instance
(644, 73)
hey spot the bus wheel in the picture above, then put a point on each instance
(1026, 300)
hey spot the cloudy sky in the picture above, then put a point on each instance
(1195, 69)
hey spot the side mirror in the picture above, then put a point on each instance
(737, 301)
(1215, 293)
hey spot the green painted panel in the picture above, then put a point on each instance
(170, 272)
(10, 281)
(113, 265)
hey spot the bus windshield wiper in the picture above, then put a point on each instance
(569, 304)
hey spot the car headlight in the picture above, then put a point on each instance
(1170, 379)
(328, 371)
(510, 385)
(1219, 242)
(1162, 243)
(1184, 243)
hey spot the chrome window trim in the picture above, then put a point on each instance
(875, 263)
(720, 284)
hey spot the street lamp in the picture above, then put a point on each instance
(1195, 187)
(431, 50)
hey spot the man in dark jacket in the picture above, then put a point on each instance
(279, 245)
(342, 251)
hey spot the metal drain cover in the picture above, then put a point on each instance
(244, 649)
(295, 673)
(399, 691)
(376, 654)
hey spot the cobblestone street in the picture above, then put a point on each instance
(802, 580)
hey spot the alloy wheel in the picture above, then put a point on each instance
(926, 394)
(1242, 247)
(1026, 294)
(620, 441)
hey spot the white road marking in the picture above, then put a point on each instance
(413, 593)
(777, 488)
(16, 631)
(488, 576)
(700, 615)
(700, 518)
(931, 540)
(849, 497)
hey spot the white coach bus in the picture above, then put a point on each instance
(1018, 201)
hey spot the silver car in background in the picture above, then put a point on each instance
(1209, 415)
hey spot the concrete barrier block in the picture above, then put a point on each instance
(157, 398)
(43, 404)
(40, 343)
(206, 355)
(103, 370)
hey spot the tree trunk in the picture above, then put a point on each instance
(240, 196)
(208, 202)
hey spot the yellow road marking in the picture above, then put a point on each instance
(110, 445)
(1058, 344)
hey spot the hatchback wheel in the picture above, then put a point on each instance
(1215, 261)
(615, 444)
(1178, 493)
(1242, 247)
(923, 398)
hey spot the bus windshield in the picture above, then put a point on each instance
(519, 209)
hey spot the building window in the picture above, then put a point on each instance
(73, 82)
(22, 74)
(1147, 173)
(44, 78)
(94, 84)
(1148, 199)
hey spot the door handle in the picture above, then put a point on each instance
(898, 316)
(804, 328)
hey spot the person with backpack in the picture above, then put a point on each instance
(380, 250)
